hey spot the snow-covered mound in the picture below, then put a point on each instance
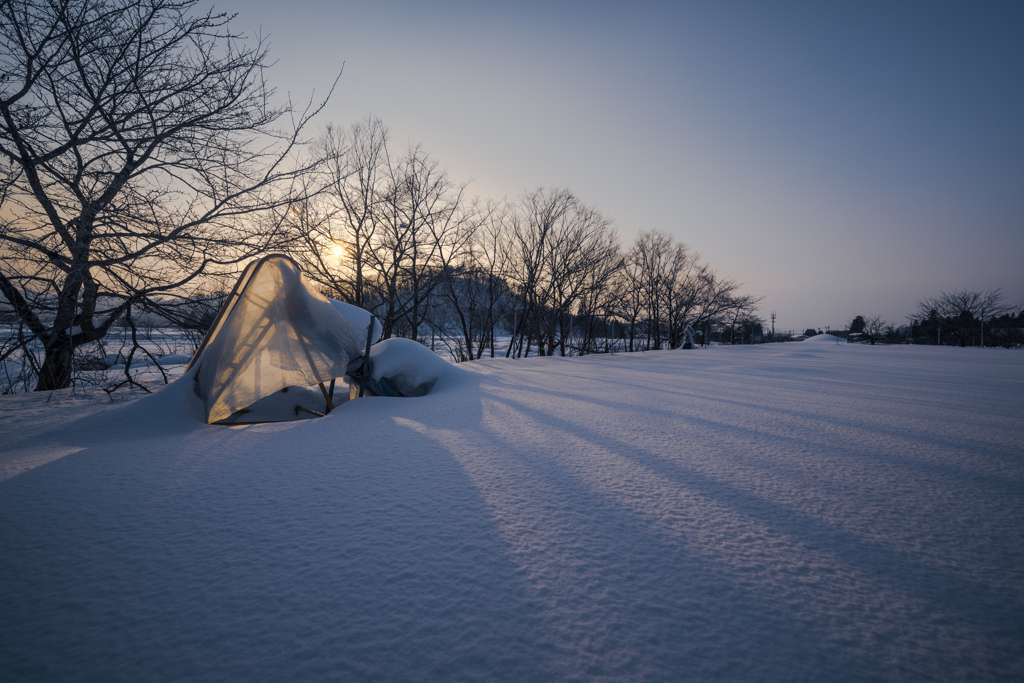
(773, 513)
(408, 366)
(823, 339)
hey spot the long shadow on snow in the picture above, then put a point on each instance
(1007, 454)
(969, 602)
(347, 548)
(656, 610)
(157, 414)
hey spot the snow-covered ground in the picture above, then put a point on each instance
(789, 512)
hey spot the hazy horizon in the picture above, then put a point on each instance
(838, 161)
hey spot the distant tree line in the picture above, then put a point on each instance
(391, 232)
(956, 318)
(968, 318)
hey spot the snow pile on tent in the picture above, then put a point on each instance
(403, 367)
(272, 333)
(359, 320)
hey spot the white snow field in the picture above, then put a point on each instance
(791, 512)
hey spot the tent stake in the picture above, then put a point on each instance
(323, 390)
(305, 410)
(366, 356)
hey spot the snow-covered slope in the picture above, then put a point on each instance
(814, 512)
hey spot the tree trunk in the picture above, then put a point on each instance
(57, 365)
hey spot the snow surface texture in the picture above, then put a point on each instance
(790, 512)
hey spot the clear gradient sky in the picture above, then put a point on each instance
(838, 158)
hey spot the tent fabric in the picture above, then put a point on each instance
(274, 331)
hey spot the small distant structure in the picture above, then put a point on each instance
(688, 338)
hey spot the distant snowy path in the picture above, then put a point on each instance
(797, 512)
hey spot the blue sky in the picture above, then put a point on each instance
(837, 159)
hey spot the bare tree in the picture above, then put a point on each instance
(961, 311)
(530, 228)
(335, 233)
(653, 254)
(598, 295)
(560, 250)
(741, 314)
(667, 282)
(475, 290)
(139, 145)
(663, 288)
(683, 292)
(1015, 315)
(875, 328)
(630, 305)
(716, 299)
(580, 261)
(547, 264)
(425, 224)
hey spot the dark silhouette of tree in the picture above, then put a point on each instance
(875, 328)
(962, 312)
(334, 235)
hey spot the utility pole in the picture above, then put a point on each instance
(773, 325)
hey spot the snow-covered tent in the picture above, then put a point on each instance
(275, 334)
(275, 337)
